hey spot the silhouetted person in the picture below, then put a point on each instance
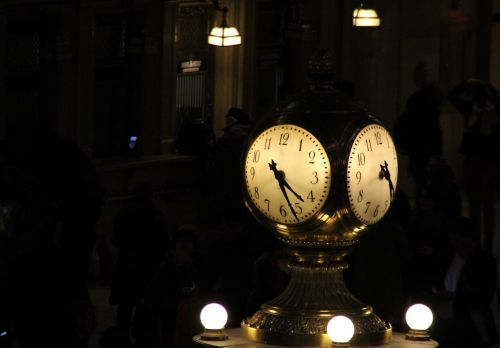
(160, 320)
(443, 187)
(17, 241)
(478, 103)
(232, 257)
(270, 277)
(59, 233)
(195, 137)
(417, 130)
(429, 243)
(379, 263)
(462, 301)
(227, 156)
(140, 235)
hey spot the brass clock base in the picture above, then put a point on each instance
(299, 316)
(310, 329)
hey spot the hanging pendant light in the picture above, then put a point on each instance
(224, 35)
(363, 16)
(456, 15)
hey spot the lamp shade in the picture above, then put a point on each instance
(224, 36)
(213, 316)
(365, 17)
(340, 329)
(419, 317)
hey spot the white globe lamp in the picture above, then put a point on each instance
(340, 329)
(213, 317)
(419, 318)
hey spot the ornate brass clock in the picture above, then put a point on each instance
(317, 172)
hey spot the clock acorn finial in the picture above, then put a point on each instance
(320, 69)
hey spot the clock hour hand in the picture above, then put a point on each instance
(281, 179)
(285, 183)
(385, 174)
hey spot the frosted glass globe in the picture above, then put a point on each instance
(419, 317)
(365, 18)
(213, 316)
(340, 329)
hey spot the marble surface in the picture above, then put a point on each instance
(237, 340)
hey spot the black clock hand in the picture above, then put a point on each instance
(282, 187)
(384, 173)
(282, 183)
(285, 183)
(281, 179)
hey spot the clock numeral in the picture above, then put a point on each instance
(268, 203)
(375, 212)
(312, 155)
(386, 204)
(310, 196)
(252, 172)
(298, 208)
(369, 145)
(358, 176)
(284, 138)
(300, 145)
(316, 179)
(256, 156)
(367, 206)
(256, 192)
(282, 210)
(267, 144)
(360, 196)
(378, 138)
(361, 159)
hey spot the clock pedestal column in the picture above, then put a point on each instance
(319, 170)
(316, 293)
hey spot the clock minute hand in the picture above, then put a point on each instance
(282, 183)
(282, 187)
(384, 173)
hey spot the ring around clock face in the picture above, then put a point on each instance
(372, 173)
(287, 174)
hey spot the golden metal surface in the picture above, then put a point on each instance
(418, 335)
(335, 224)
(317, 246)
(316, 293)
(213, 335)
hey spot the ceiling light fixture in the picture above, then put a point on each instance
(223, 35)
(363, 16)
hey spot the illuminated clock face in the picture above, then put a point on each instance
(287, 174)
(372, 173)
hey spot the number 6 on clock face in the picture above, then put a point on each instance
(372, 173)
(287, 174)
